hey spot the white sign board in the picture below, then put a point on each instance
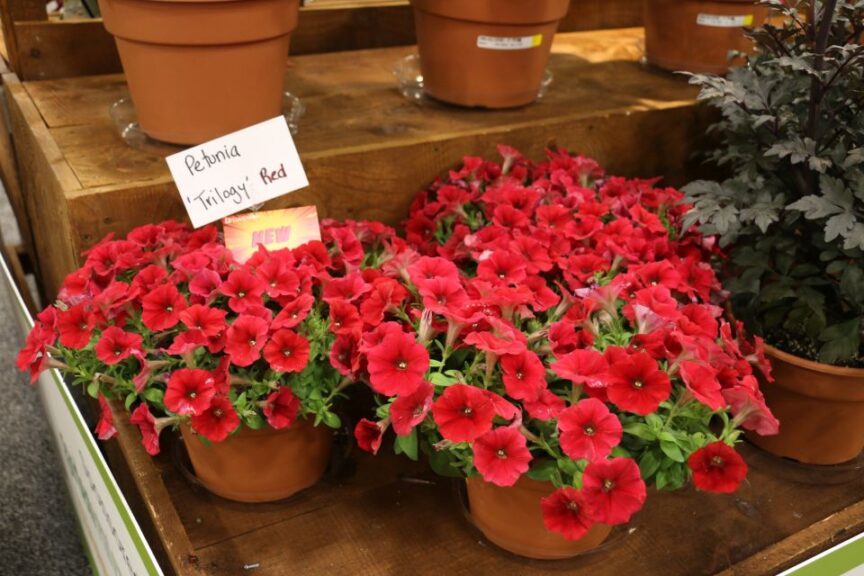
(112, 537)
(237, 171)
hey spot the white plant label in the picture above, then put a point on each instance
(237, 171)
(509, 42)
(722, 21)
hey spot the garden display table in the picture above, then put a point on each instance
(366, 149)
(388, 516)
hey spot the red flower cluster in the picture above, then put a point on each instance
(544, 314)
(179, 327)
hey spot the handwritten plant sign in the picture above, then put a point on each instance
(237, 171)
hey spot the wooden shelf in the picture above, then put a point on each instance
(391, 517)
(366, 149)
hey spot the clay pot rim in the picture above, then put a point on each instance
(422, 6)
(812, 365)
(266, 430)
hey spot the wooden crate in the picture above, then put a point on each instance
(366, 149)
(391, 517)
(41, 49)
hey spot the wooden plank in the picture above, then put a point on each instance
(45, 178)
(64, 48)
(9, 173)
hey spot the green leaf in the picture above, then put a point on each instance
(331, 420)
(253, 420)
(672, 450)
(407, 445)
(568, 466)
(439, 379)
(130, 399)
(153, 395)
(841, 341)
(543, 470)
(640, 430)
(441, 463)
(654, 422)
(93, 389)
(649, 463)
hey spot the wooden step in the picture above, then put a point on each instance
(367, 150)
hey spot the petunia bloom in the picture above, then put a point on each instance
(636, 384)
(463, 413)
(566, 511)
(142, 418)
(588, 430)
(409, 410)
(189, 391)
(397, 365)
(717, 467)
(501, 456)
(245, 339)
(218, 421)
(524, 375)
(115, 345)
(615, 488)
(369, 434)
(287, 351)
(281, 408)
(105, 427)
(161, 308)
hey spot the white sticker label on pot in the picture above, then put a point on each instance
(509, 42)
(722, 21)
(234, 172)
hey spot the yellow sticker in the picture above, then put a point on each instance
(748, 20)
(537, 40)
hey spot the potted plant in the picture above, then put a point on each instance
(486, 53)
(235, 356)
(792, 216)
(199, 69)
(554, 345)
(698, 35)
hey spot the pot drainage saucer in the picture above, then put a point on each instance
(410, 80)
(126, 123)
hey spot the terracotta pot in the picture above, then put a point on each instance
(261, 465)
(489, 53)
(697, 35)
(199, 69)
(512, 519)
(820, 408)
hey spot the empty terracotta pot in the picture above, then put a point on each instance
(487, 53)
(200, 69)
(512, 519)
(697, 35)
(261, 465)
(820, 408)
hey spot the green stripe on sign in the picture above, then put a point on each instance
(134, 531)
(834, 562)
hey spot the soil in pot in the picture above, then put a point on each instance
(200, 69)
(512, 519)
(485, 53)
(697, 35)
(820, 408)
(261, 465)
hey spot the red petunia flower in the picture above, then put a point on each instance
(281, 408)
(75, 326)
(368, 435)
(245, 339)
(293, 312)
(161, 308)
(344, 318)
(749, 408)
(189, 391)
(702, 382)
(142, 418)
(428, 268)
(582, 367)
(463, 413)
(347, 289)
(717, 467)
(588, 430)
(287, 351)
(244, 290)
(409, 410)
(397, 365)
(208, 321)
(524, 375)
(218, 421)
(501, 456)
(279, 279)
(546, 407)
(105, 427)
(636, 384)
(345, 355)
(440, 295)
(205, 284)
(115, 345)
(33, 356)
(615, 489)
(566, 511)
